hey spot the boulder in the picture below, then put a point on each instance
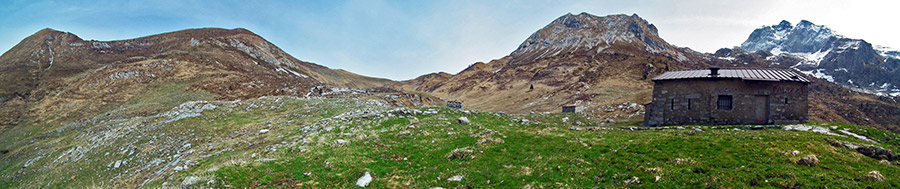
(875, 175)
(809, 160)
(463, 120)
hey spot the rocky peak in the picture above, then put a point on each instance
(589, 33)
(783, 25)
(805, 37)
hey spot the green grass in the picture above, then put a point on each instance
(550, 154)
(411, 151)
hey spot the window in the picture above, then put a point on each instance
(785, 100)
(689, 104)
(724, 102)
(672, 104)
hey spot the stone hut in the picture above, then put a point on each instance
(455, 104)
(717, 96)
(569, 108)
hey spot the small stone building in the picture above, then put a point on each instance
(455, 104)
(728, 96)
(569, 108)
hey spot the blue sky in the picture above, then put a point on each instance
(403, 39)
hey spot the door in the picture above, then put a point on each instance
(760, 109)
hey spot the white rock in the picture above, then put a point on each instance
(456, 178)
(190, 181)
(463, 120)
(341, 141)
(364, 180)
(263, 131)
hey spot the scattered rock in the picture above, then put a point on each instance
(795, 152)
(565, 119)
(579, 123)
(809, 160)
(456, 178)
(263, 131)
(884, 162)
(463, 120)
(683, 161)
(875, 175)
(460, 153)
(341, 141)
(633, 180)
(364, 180)
(190, 181)
(654, 170)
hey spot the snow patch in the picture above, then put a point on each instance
(730, 58)
(291, 72)
(819, 73)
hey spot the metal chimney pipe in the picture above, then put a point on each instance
(714, 71)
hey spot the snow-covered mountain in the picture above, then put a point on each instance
(825, 54)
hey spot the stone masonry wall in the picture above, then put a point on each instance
(693, 101)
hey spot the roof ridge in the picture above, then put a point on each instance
(776, 74)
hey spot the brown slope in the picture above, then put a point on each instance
(58, 75)
(577, 59)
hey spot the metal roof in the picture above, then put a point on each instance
(755, 74)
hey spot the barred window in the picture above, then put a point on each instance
(724, 102)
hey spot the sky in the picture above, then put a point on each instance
(403, 39)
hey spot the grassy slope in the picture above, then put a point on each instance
(553, 154)
(300, 150)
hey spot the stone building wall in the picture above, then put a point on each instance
(694, 101)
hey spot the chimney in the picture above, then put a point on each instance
(714, 71)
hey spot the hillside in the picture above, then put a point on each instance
(331, 142)
(54, 77)
(578, 59)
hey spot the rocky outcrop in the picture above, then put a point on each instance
(867, 150)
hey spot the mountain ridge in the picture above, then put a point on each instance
(52, 68)
(825, 54)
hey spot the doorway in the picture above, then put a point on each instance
(760, 114)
